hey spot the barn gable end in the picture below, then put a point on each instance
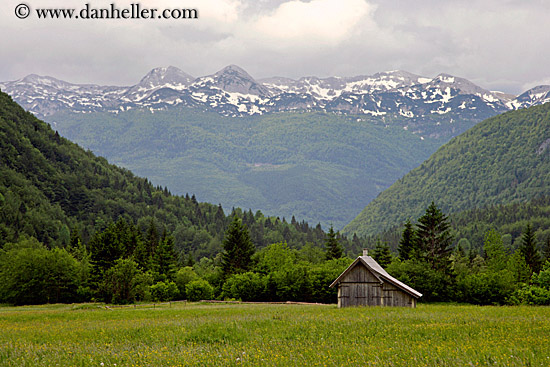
(366, 283)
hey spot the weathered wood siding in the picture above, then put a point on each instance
(393, 296)
(360, 287)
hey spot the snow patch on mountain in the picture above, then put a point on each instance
(233, 92)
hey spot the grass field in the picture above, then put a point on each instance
(274, 335)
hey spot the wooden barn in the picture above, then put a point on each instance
(366, 283)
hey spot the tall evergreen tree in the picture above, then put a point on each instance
(382, 254)
(165, 258)
(238, 248)
(407, 242)
(105, 248)
(332, 245)
(529, 249)
(142, 256)
(434, 238)
(219, 219)
(495, 253)
(152, 239)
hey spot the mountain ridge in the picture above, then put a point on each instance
(232, 91)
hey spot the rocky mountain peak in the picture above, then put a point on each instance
(234, 79)
(536, 95)
(44, 81)
(166, 76)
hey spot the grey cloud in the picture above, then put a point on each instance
(501, 45)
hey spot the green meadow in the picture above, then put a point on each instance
(202, 334)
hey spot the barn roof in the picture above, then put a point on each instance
(380, 273)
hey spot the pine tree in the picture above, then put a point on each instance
(334, 249)
(219, 219)
(382, 254)
(164, 260)
(495, 253)
(529, 249)
(142, 256)
(238, 248)
(152, 239)
(407, 242)
(434, 238)
(518, 268)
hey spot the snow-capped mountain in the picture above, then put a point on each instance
(233, 92)
(534, 96)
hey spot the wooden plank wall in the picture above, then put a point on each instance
(361, 288)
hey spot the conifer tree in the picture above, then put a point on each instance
(356, 243)
(142, 256)
(407, 242)
(332, 245)
(238, 248)
(382, 254)
(152, 239)
(434, 238)
(529, 249)
(518, 268)
(495, 253)
(165, 257)
(219, 219)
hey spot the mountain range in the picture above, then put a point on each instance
(233, 92)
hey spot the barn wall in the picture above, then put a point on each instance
(361, 288)
(394, 296)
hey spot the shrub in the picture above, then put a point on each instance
(182, 278)
(124, 282)
(246, 287)
(531, 295)
(32, 274)
(197, 290)
(162, 291)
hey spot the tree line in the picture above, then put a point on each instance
(430, 260)
(122, 264)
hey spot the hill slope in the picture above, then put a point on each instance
(319, 167)
(49, 186)
(503, 159)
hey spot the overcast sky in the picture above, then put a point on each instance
(499, 45)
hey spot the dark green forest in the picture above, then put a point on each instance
(61, 202)
(502, 160)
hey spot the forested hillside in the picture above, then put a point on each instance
(50, 187)
(319, 167)
(75, 228)
(470, 226)
(502, 160)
